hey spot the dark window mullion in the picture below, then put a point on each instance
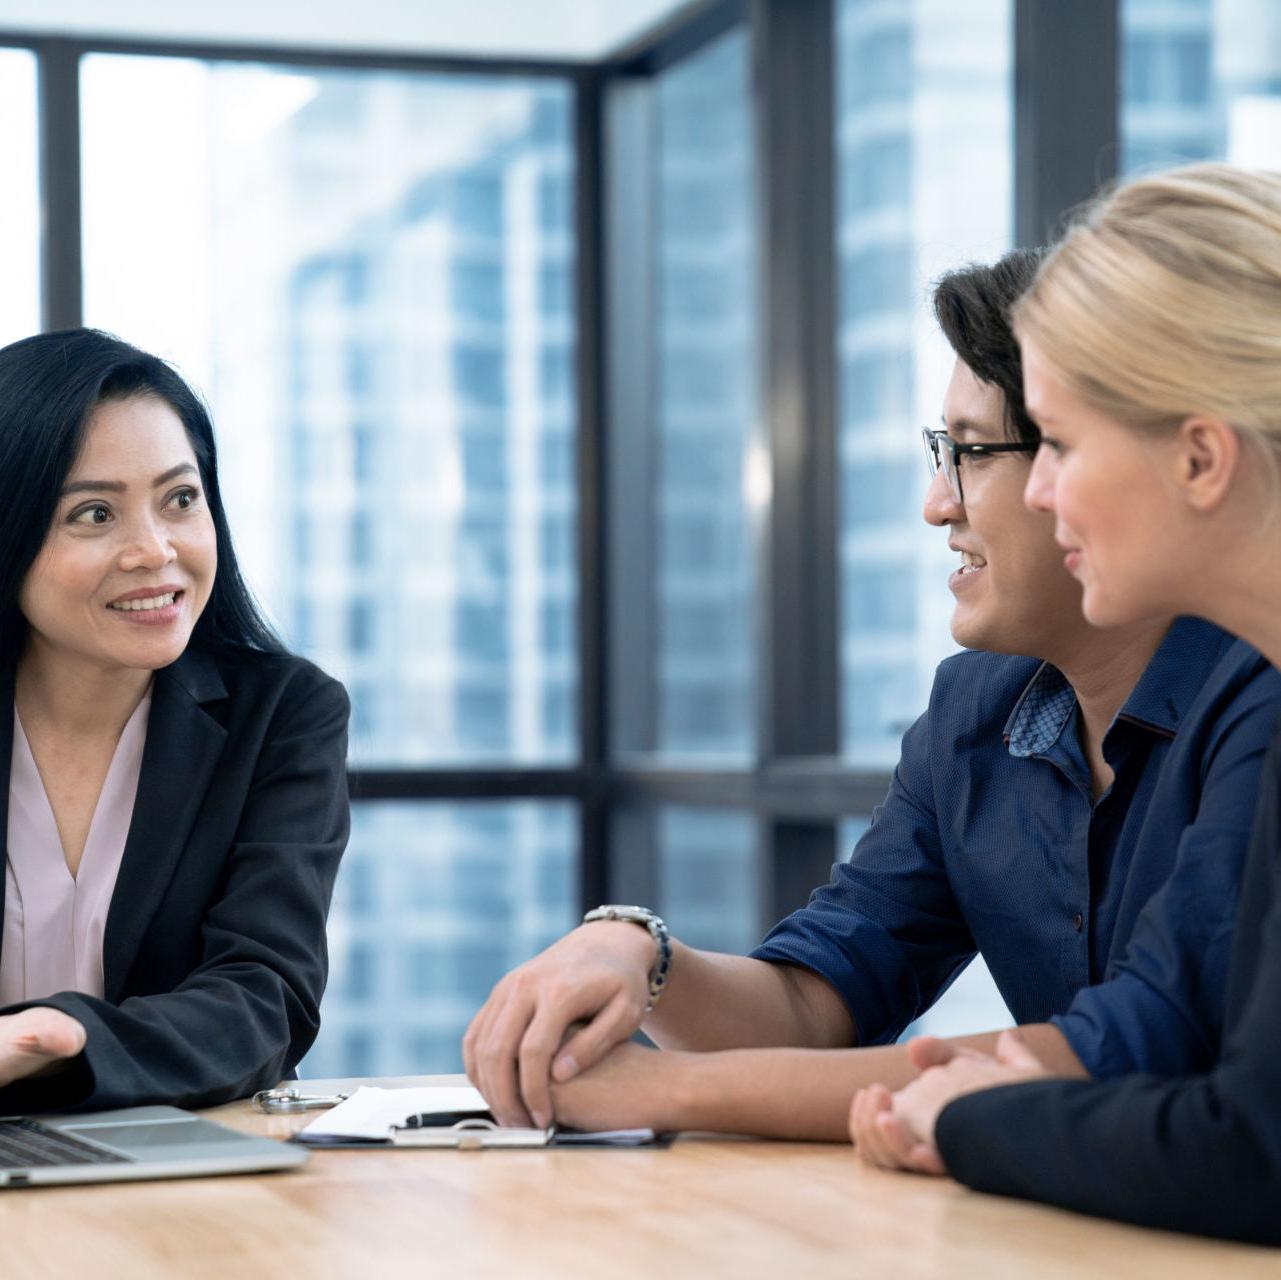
(62, 304)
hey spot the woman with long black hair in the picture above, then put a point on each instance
(174, 798)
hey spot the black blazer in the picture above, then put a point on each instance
(214, 955)
(1196, 1153)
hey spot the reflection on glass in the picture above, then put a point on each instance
(370, 275)
(1200, 80)
(435, 902)
(924, 184)
(705, 404)
(19, 201)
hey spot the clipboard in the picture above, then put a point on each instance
(444, 1119)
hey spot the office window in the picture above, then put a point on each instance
(369, 276)
(694, 532)
(19, 203)
(434, 903)
(924, 167)
(1200, 80)
(697, 866)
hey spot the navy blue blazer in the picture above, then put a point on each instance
(214, 955)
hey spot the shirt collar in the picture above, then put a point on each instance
(1043, 708)
(1166, 689)
(1176, 674)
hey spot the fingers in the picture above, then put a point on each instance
(1013, 1050)
(897, 1138)
(33, 1038)
(930, 1051)
(585, 1048)
(924, 1158)
(498, 1064)
(534, 1057)
(869, 1141)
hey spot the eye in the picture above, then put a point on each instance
(1054, 445)
(185, 499)
(96, 513)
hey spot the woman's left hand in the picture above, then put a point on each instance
(36, 1039)
(896, 1131)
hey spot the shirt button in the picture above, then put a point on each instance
(1077, 921)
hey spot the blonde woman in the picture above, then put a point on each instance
(1151, 347)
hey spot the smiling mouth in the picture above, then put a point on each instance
(970, 563)
(146, 605)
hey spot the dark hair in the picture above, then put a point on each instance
(972, 306)
(49, 387)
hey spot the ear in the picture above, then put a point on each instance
(1207, 457)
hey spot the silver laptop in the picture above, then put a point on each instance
(122, 1146)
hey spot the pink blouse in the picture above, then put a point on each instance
(54, 922)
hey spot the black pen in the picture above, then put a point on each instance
(443, 1119)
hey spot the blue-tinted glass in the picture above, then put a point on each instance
(704, 872)
(434, 903)
(19, 202)
(369, 275)
(925, 168)
(1200, 80)
(706, 379)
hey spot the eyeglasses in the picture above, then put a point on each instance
(942, 452)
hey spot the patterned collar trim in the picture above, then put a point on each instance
(1038, 718)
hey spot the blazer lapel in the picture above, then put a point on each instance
(183, 747)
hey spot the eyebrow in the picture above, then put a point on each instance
(117, 486)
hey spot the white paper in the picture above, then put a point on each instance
(371, 1113)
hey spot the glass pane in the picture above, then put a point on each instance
(435, 902)
(370, 276)
(1200, 80)
(704, 410)
(696, 867)
(925, 167)
(19, 200)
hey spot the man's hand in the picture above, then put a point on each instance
(35, 1040)
(630, 1088)
(896, 1131)
(597, 975)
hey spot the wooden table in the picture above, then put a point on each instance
(704, 1207)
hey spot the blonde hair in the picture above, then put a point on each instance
(1163, 300)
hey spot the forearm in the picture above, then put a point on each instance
(805, 1094)
(715, 1001)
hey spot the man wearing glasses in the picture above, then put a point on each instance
(1074, 804)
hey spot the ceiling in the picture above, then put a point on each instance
(574, 30)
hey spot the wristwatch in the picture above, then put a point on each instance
(650, 920)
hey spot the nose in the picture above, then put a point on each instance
(941, 507)
(1038, 493)
(148, 547)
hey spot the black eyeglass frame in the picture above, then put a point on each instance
(941, 451)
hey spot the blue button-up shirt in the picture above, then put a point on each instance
(1111, 918)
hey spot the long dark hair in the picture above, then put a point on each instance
(49, 387)
(973, 307)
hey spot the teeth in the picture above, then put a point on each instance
(152, 602)
(970, 562)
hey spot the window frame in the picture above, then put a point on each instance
(798, 789)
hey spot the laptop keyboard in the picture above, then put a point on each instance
(27, 1144)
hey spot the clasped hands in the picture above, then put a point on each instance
(35, 1040)
(896, 1130)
